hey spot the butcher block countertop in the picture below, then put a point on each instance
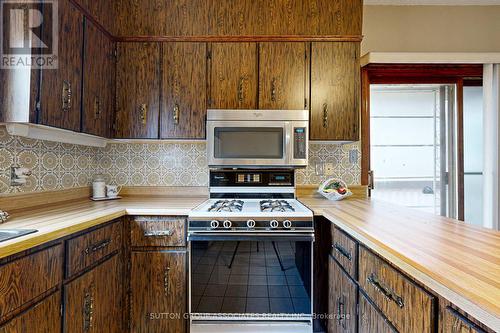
(457, 261)
(60, 220)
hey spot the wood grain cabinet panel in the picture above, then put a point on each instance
(342, 300)
(137, 90)
(234, 18)
(24, 279)
(345, 251)
(87, 249)
(408, 307)
(335, 91)
(93, 301)
(339, 17)
(183, 103)
(283, 74)
(44, 317)
(98, 82)
(455, 321)
(158, 231)
(370, 320)
(158, 287)
(233, 76)
(60, 101)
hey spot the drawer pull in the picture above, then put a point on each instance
(385, 290)
(166, 281)
(340, 249)
(158, 233)
(88, 308)
(98, 246)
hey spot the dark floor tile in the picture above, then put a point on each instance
(198, 289)
(278, 291)
(257, 280)
(203, 269)
(281, 305)
(195, 300)
(200, 278)
(275, 270)
(302, 305)
(236, 290)
(293, 280)
(257, 270)
(238, 279)
(210, 304)
(298, 291)
(237, 269)
(257, 291)
(217, 278)
(234, 305)
(217, 290)
(292, 272)
(207, 261)
(257, 305)
(276, 280)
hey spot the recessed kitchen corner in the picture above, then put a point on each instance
(249, 166)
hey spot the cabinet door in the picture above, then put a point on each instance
(61, 88)
(370, 320)
(98, 81)
(455, 322)
(158, 286)
(42, 317)
(233, 76)
(335, 91)
(137, 90)
(282, 76)
(342, 300)
(340, 17)
(184, 91)
(93, 302)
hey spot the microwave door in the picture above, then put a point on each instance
(235, 143)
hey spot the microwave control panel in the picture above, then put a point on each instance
(299, 143)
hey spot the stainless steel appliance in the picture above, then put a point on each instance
(257, 138)
(251, 255)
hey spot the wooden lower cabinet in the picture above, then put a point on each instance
(93, 301)
(342, 300)
(370, 320)
(158, 291)
(452, 321)
(44, 317)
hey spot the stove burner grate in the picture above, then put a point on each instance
(227, 206)
(275, 206)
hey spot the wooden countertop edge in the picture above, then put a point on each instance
(408, 267)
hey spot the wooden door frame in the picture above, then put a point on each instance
(458, 74)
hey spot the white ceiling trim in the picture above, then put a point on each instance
(430, 58)
(433, 2)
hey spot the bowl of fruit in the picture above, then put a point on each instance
(334, 189)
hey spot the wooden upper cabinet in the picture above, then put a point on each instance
(233, 76)
(234, 18)
(158, 285)
(340, 17)
(61, 87)
(137, 90)
(335, 91)
(283, 72)
(98, 82)
(184, 91)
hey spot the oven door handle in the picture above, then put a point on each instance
(213, 236)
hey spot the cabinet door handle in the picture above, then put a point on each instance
(371, 182)
(273, 89)
(97, 107)
(98, 246)
(143, 113)
(176, 114)
(88, 308)
(385, 290)
(166, 281)
(240, 89)
(66, 96)
(325, 115)
(340, 249)
(158, 233)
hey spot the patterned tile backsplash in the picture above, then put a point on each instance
(57, 166)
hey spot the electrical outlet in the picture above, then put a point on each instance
(329, 169)
(353, 156)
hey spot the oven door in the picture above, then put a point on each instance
(244, 143)
(239, 279)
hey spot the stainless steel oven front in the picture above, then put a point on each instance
(257, 138)
(241, 281)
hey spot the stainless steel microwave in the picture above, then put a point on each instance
(256, 138)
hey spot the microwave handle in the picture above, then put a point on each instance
(288, 144)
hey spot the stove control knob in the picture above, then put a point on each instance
(214, 224)
(274, 224)
(227, 224)
(251, 224)
(287, 224)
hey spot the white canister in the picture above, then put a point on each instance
(99, 187)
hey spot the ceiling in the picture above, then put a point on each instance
(433, 2)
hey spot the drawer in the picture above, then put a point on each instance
(345, 251)
(87, 249)
(407, 306)
(158, 231)
(26, 278)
